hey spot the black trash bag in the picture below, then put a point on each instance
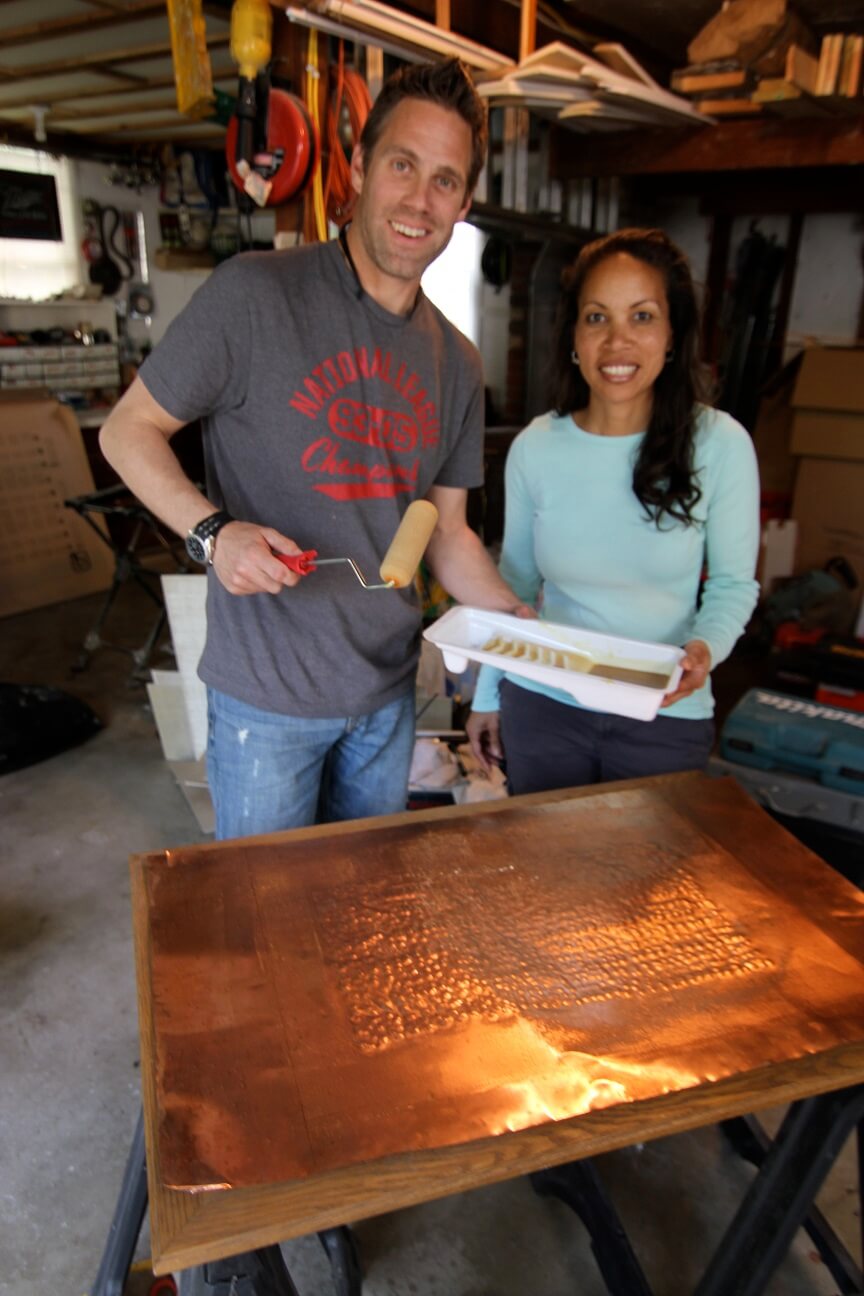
(37, 722)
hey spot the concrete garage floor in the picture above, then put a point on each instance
(69, 1094)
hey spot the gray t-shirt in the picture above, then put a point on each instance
(324, 416)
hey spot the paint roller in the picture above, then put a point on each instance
(400, 561)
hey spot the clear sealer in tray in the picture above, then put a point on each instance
(620, 676)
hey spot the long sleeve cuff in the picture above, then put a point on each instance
(486, 693)
(722, 618)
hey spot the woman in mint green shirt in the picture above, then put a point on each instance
(616, 503)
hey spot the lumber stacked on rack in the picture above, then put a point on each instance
(758, 55)
(838, 75)
(607, 90)
(721, 88)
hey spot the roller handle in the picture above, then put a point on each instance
(302, 563)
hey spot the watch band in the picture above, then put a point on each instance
(199, 541)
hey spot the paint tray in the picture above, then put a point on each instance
(626, 677)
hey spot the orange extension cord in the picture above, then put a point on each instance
(315, 217)
(351, 90)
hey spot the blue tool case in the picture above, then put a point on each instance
(775, 731)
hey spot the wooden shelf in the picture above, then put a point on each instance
(183, 259)
(763, 143)
(487, 217)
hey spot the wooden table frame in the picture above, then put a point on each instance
(189, 1228)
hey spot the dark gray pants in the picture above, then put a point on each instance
(549, 744)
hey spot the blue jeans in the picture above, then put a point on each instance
(268, 772)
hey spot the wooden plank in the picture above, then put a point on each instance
(125, 108)
(691, 82)
(620, 60)
(731, 107)
(851, 84)
(760, 144)
(72, 23)
(125, 127)
(737, 30)
(527, 28)
(132, 86)
(829, 63)
(442, 14)
(78, 62)
(801, 68)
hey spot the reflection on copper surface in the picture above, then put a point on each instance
(323, 1001)
(409, 962)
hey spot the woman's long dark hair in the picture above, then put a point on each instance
(663, 477)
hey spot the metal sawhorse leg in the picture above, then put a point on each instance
(117, 502)
(126, 1224)
(791, 1170)
(750, 1141)
(255, 1273)
(780, 1199)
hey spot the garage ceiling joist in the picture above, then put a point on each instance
(100, 73)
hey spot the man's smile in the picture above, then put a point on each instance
(409, 231)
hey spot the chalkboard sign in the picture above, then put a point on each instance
(28, 207)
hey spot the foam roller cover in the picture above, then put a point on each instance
(406, 549)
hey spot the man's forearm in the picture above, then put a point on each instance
(461, 563)
(140, 453)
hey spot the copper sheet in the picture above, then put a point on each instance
(324, 1001)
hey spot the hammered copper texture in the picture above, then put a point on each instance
(326, 1001)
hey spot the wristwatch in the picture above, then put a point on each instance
(201, 540)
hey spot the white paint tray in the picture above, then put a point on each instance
(463, 632)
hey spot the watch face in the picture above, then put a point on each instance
(196, 549)
(200, 540)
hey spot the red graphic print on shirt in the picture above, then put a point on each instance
(371, 447)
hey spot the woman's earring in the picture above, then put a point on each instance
(574, 359)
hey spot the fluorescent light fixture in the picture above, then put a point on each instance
(378, 24)
(308, 18)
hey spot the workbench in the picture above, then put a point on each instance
(340, 1021)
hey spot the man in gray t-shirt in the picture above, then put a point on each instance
(331, 394)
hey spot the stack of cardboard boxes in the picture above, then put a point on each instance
(803, 756)
(827, 439)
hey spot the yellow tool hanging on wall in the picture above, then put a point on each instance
(193, 75)
(272, 146)
(251, 32)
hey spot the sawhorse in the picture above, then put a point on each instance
(256, 1273)
(791, 1170)
(118, 503)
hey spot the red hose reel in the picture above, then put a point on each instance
(290, 128)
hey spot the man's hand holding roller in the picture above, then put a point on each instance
(244, 559)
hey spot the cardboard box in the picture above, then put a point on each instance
(828, 400)
(827, 434)
(48, 553)
(831, 378)
(777, 549)
(828, 506)
(772, 434)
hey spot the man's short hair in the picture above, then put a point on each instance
(447, 84)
